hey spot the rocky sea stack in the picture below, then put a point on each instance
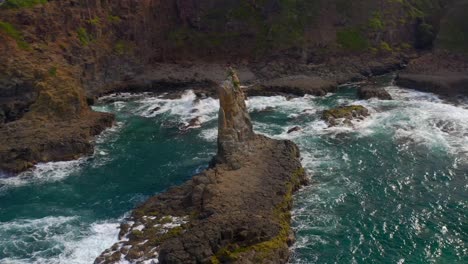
(236, 211)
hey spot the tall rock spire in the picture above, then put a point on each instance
(235, 126)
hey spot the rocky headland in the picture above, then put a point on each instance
(57, 57)
(236, 211)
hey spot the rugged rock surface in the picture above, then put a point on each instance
(345, 114)
(55, 56)
(445, 70)
(441, 73)
(237, 211)
(27, 142)
(368, 92)
(234, 125)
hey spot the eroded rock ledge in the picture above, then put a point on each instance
(237, 211)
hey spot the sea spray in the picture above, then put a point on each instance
(394, 180)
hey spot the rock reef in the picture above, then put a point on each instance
(345, 114)
(236, 211)
(368, 92)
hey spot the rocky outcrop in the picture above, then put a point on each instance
(28, 142)
(447, 85)
(345, 114)
(443, 73)
(43, 113)
(226, 214)
(368, 92)
(234, 124)
(55, 56)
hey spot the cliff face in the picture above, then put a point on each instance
(445, 70)
(54, 54)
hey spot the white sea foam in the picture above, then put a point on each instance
(57, 171)
(62, 233)
(210, 134)
(259, 103)
(101, 236)
(44, 172)
(422, 118)
(186, 108)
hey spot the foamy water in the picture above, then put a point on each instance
(388, 189)
(57, 234)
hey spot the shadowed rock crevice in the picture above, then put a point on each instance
(237, 211)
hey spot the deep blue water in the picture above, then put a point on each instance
(391, 189)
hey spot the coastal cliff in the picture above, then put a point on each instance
(56, 57)
(236, 211)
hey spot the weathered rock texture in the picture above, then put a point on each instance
(445, 70)
(55, 56)
(368, 92)
(441, 73)
(234, 124)
(345, 114)
(225, 214)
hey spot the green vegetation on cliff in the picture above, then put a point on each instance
(352, 39)
(265, 250)
(283, 28)
(15, 34)
(453, 33)
(84, 37)
(22, 3)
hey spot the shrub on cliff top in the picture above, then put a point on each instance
(22, 3)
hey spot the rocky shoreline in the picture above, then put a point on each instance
(26, 141)
(57, 57)
(442, 73)
(236, 211)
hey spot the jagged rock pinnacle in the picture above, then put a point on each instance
(235, 126)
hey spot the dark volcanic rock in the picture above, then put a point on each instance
(369, 92)
(441, 73)
(193, 123)
(345, 114)
(234, 124)
(294, 129)
(447, 84)
(221, 215)
(24, 143)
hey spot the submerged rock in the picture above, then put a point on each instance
(345, 114)
(154, 110)
(193, 123)
(294, 129)
(236, 211)
(369, 92)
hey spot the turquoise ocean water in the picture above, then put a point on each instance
(391, 189)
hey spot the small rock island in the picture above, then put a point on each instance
(236, 211)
